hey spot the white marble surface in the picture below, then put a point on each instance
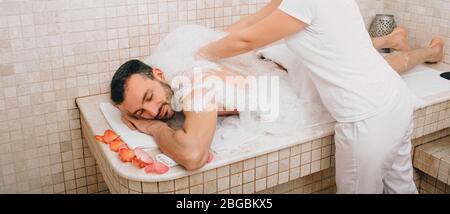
(436, 98)
(96, 124)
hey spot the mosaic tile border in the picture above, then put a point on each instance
(249, 176)
(434, 159)
(431, 185)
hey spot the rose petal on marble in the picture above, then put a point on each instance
(123, 146)
(161, 168)
(210, 158)
(126, 155)
(115, 145)
(143, 156)
(109, 136)
(138, 163)
(157, 168)
(99, 138)
(149, 168)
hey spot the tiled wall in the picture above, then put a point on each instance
(369, 8)
(52, 51)
(423, 19)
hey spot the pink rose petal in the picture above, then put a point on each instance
(99, 138)
(210, 158)
(109, 136)
(149, 168)
(143, 156)
(160, 168)
(157, 168)
(123, 146)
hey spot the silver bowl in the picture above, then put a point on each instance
(382, 25)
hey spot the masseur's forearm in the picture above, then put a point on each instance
(231, 45)
(181, 148)
(264, 32)
(254, 18)
(239, 42)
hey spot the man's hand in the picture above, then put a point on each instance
(150, 127)
(128, 122)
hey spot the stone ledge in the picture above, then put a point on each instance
(434, 159)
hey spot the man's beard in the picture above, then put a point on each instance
(167, 90)
(169, 94)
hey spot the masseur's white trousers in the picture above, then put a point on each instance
(374, 155)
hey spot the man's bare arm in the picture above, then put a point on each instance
(188, 146)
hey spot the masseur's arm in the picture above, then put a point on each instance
(188, 146)
(254, 18)
(269, 30)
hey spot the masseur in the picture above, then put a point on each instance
(358, 86)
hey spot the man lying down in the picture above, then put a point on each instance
(253, 92)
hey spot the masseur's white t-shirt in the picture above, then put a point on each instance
(354, 81)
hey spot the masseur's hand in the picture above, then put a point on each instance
(150, 127)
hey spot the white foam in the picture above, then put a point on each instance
(175, 56)
(175, 53)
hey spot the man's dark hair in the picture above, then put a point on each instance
(120, 78)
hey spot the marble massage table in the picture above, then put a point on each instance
(263, 165)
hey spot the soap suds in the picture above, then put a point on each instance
(175, 56)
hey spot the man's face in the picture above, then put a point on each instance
(146, 98)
